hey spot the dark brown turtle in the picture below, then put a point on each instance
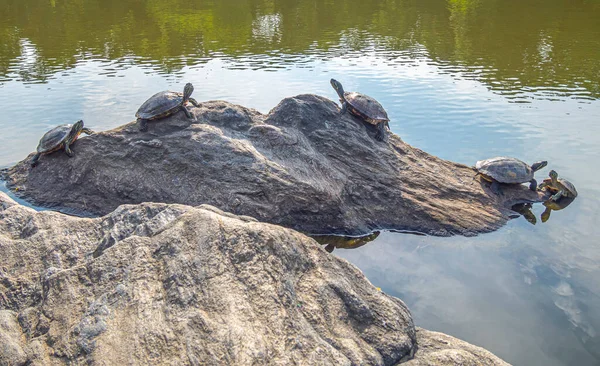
(509, 171)
(59, 137)
(164, 104)
(363, 107)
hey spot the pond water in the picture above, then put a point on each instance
(461, 79)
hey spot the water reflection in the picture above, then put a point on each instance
(552, 205)
(346, 242)
(524, 209)
(516, 48)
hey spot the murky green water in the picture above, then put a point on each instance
(463, 79)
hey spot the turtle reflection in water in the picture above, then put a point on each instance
(552, 205)
(525, 210)
(347, 242)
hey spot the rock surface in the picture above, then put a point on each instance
(171, 284)
(303, 166)
(441, 349)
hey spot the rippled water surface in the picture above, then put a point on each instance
(461, 79)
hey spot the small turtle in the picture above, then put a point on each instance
(560, 187)
(164, 104)
(59, 137)
(363, 107)
(508, 170)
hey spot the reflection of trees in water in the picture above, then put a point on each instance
(551, 46)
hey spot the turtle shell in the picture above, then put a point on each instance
(505, 170)
(54, 138)
(160, 105)
(367, 107)
(568, 186)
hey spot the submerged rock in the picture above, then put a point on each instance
(303, 166)
(171, 284)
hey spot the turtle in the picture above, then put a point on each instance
(552, 205)
(508, 170)
(560, 187)
(164, 104)
(364, 107)
(62, 136)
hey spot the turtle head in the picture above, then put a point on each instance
(553, 174)
(539, 165)
(187, 91)
(338, 87)
(77, 126)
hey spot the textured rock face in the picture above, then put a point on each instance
(178, 285)
(302, 166)
(173, 284)
(440, 349)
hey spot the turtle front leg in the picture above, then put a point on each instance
(542, 186)
(87, 131)
(533, 185)
(35, 159)
(495, 187)
(194, 102)
(380, 134)
(68, 151)
(143, 124)
(558, 195)
(187, 113)
(344, 107)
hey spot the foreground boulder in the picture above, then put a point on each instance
(173, 284)
(302, 166)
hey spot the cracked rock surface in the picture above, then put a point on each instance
(171, 284)
(302, 166)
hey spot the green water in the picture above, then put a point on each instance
(464, 80)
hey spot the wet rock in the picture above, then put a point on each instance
(303, 166)
(190, 285)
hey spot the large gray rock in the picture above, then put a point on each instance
(302, 166)
(440, 349)
(172, 284)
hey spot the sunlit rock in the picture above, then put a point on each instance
(172, 284)
(303, 166)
